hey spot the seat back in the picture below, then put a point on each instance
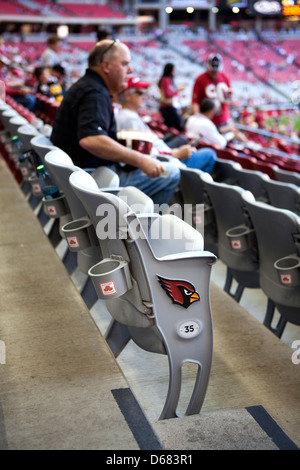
(25, 133)
(191, 186)
(14, 123)
(283, 195)
(224, 171)
(6, 115)
(106, 178)
(236, 238)
(152, 280)
(252, 181)
(278, 237)
(196, 200)
(287, 176)
(61, 166)
(4, 107)
(42, 145)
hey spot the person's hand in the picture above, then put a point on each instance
(183, 152)
(152, 167)
(24, 90)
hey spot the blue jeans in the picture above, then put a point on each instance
(203, 159)
(160, 189)
(28, 101)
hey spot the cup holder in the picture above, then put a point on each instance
(56, 207)
(288, 269)
(111, 278)
(36, 190)
(80, 234)
(240, 237)
(200, 216)
(23, 167)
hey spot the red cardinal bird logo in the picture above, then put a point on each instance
(181, 292)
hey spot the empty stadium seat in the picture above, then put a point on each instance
(278, 238)
(253, 181)
(196, 200)
(76, 228)
(154, 283)
(237, 246)
(42, 145)
(224, 171)
(26, 132)
(286, 175)
(6, 115)
(61, 166)
(283, 195)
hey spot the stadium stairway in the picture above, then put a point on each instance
(61, 387)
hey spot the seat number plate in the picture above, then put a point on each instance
(189, 329)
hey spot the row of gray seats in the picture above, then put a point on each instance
(151, 270)
(241, 258)
(258, 242)
(281, 194)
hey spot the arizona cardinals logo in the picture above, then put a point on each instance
(181, 292)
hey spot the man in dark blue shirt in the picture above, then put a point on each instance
(85, 126)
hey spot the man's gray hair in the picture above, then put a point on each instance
(106, 48)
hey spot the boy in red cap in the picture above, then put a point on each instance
(128, 118)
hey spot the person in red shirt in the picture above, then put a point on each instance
(215, 85)
(168, 91)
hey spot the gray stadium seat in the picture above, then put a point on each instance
(60, 167)
(283, 195)
(196, 200)
(278, 237)
(253, 181)
(224, 171)
(75, 227)
(14, 123)
(287, 176)
(157, 286)
(42, 145)
(236, 238)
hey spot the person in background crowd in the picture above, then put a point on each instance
(103, 34)
(85, 126)
(16, 87)
(14, 80)
(199, 126)
(168, 91)
(50, 55)
(59, 72)
(215, 84)
(46, 84)
(42, 75)
(128, 118)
